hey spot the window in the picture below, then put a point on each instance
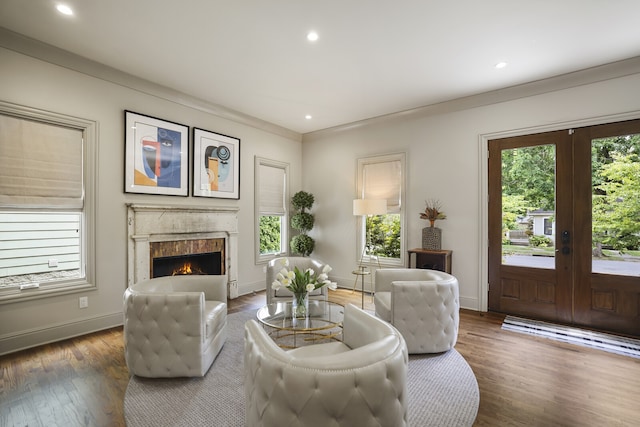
(271, 189)
(382, 236)
(46, 203)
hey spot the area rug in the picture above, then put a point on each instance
(601, 341)
(443, 391)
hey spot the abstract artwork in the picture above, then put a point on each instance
(216, 165)
(156, 157)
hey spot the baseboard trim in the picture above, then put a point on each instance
(23, 340)
(245, 289)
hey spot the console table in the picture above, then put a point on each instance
(431, 259)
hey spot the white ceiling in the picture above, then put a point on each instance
(372, 58)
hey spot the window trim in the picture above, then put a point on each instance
(360, 232)
(89, 129)
(265, 258)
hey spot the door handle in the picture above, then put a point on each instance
(565, 237)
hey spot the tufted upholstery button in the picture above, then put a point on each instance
(423, 304)
(165, 320)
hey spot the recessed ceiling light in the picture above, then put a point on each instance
(312, 36)
(64, 9)
(500, 65)
(308, 117)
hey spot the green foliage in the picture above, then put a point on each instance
(513, 206)
(302, 244)
(270, 235)
(539, 241)
(302, 221)
(302, 201)
(384, 235)
(529, 172)
(528, 183)
(616, 203)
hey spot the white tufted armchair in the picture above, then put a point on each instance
(284, 294)
(361, 381)
(423, 304)
(174, 326)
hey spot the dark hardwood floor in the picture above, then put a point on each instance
(523, 380)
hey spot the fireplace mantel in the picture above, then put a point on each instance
(161, 223)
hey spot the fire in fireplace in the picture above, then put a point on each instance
(206, 263)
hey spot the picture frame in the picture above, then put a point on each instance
(216, 165)
(156, 156)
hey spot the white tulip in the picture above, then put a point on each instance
(327, 268)
(276, 285)
(310, 287)
(322, 277)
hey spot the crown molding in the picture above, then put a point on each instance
(587, 76)
(45, 52)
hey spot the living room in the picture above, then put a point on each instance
(445, 146)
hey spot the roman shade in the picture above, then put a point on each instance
(271, 190)
(383, 180)
(40, 164)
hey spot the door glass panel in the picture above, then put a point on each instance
(615, 226)
(528, 206)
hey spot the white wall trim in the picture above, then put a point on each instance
(48, 53)
(483, 183)
(587, 76)
(36, 337)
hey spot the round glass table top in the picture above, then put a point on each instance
(321, 315)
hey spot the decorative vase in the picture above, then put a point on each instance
(300, 305)
(431, 238)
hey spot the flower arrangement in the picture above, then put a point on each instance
(302, 282)
(432, 211)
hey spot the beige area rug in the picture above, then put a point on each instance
(443, 391)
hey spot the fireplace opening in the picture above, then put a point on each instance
(205, 263)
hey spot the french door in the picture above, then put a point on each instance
(564, 226)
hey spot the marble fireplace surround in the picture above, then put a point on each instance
(148, 224)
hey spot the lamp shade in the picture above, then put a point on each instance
(369, 207)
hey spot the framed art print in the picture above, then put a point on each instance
(156, 156)
(216, 165)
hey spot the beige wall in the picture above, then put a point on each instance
(37, 84)
(446, 153)
(445, 161)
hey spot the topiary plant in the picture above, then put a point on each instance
(302, 244)
(303, 222)
(302, 201)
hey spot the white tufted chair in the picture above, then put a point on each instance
(284, 294)
(174, 326)
(361, 381)
(423, 304)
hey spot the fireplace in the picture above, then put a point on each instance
(199, 256)
(163, 238)
(177, 265)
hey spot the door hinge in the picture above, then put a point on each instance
(571, 131)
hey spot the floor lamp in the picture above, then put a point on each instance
(364, 208)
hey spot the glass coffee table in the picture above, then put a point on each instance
(324, 322)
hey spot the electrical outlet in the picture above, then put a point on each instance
(83, 302)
